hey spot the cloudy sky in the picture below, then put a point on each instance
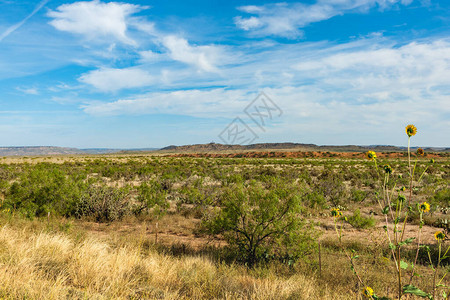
(137, 74)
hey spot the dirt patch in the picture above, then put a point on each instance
(299, 154)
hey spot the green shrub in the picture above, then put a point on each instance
(441, 198)
(151, 194)
(360, 222)
(316, 200)
(261, 224)
(332, 187)
(358, 195)
(43, 189)
(104, 204)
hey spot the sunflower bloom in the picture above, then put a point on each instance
(368, 292)
(335, 212)
(424, 207)
(387, 169)
(411, 130)
(439, 235)
(371, 155)
(420, 152)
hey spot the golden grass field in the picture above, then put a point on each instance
(37, 263)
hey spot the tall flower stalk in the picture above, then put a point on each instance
(396, 211)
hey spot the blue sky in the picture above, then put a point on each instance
(135, 74)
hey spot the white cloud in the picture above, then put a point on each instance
(283, 19)
(251, 9)
(113, 22)
(249, 23)
(149, 56)
(204, 58)
(29, 91)
(95, 19)
(199, 103)
(111, 80)
(410, 70)
(322, 88)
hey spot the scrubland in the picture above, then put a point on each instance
(155, 227)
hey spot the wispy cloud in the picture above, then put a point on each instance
(287, 19)
(198, 103)
(16, 26)
(318, 85)
(111, 80)
(204, 58)
(115, 24)
(28, 91)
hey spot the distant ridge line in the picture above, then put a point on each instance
(292, 146)
(211, 147)
(54, 150)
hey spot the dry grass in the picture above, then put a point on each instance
(41, 265)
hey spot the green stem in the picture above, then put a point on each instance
(445, 274)
(410, 171)
(420, 178)
(436, 270)
(399, 274)
(337, 231)
(409, 155)
(418, 247)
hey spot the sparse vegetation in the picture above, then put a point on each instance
(169, 227)
(360, 222)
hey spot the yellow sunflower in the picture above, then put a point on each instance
(371, 155)
(411, 130)
(420, 152)
(335, 212)
(439, 235)
(424, 207)
(387, 169)
(368, 292)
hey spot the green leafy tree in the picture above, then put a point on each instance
(260, 224)
(152, 194)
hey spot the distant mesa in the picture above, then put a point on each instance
(291, 146)
(52, 150)
(201, 148)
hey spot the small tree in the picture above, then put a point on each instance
(152, 194)
(260, 224)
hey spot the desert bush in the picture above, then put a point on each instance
(152, 194)
(360, 222)
(358, 195)
(8, 172)
(316, 200)
(332, 187)
(441, 198)
(232, 178)
(104, 204)
(261, 224)
(305, 176)
(44, 189)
